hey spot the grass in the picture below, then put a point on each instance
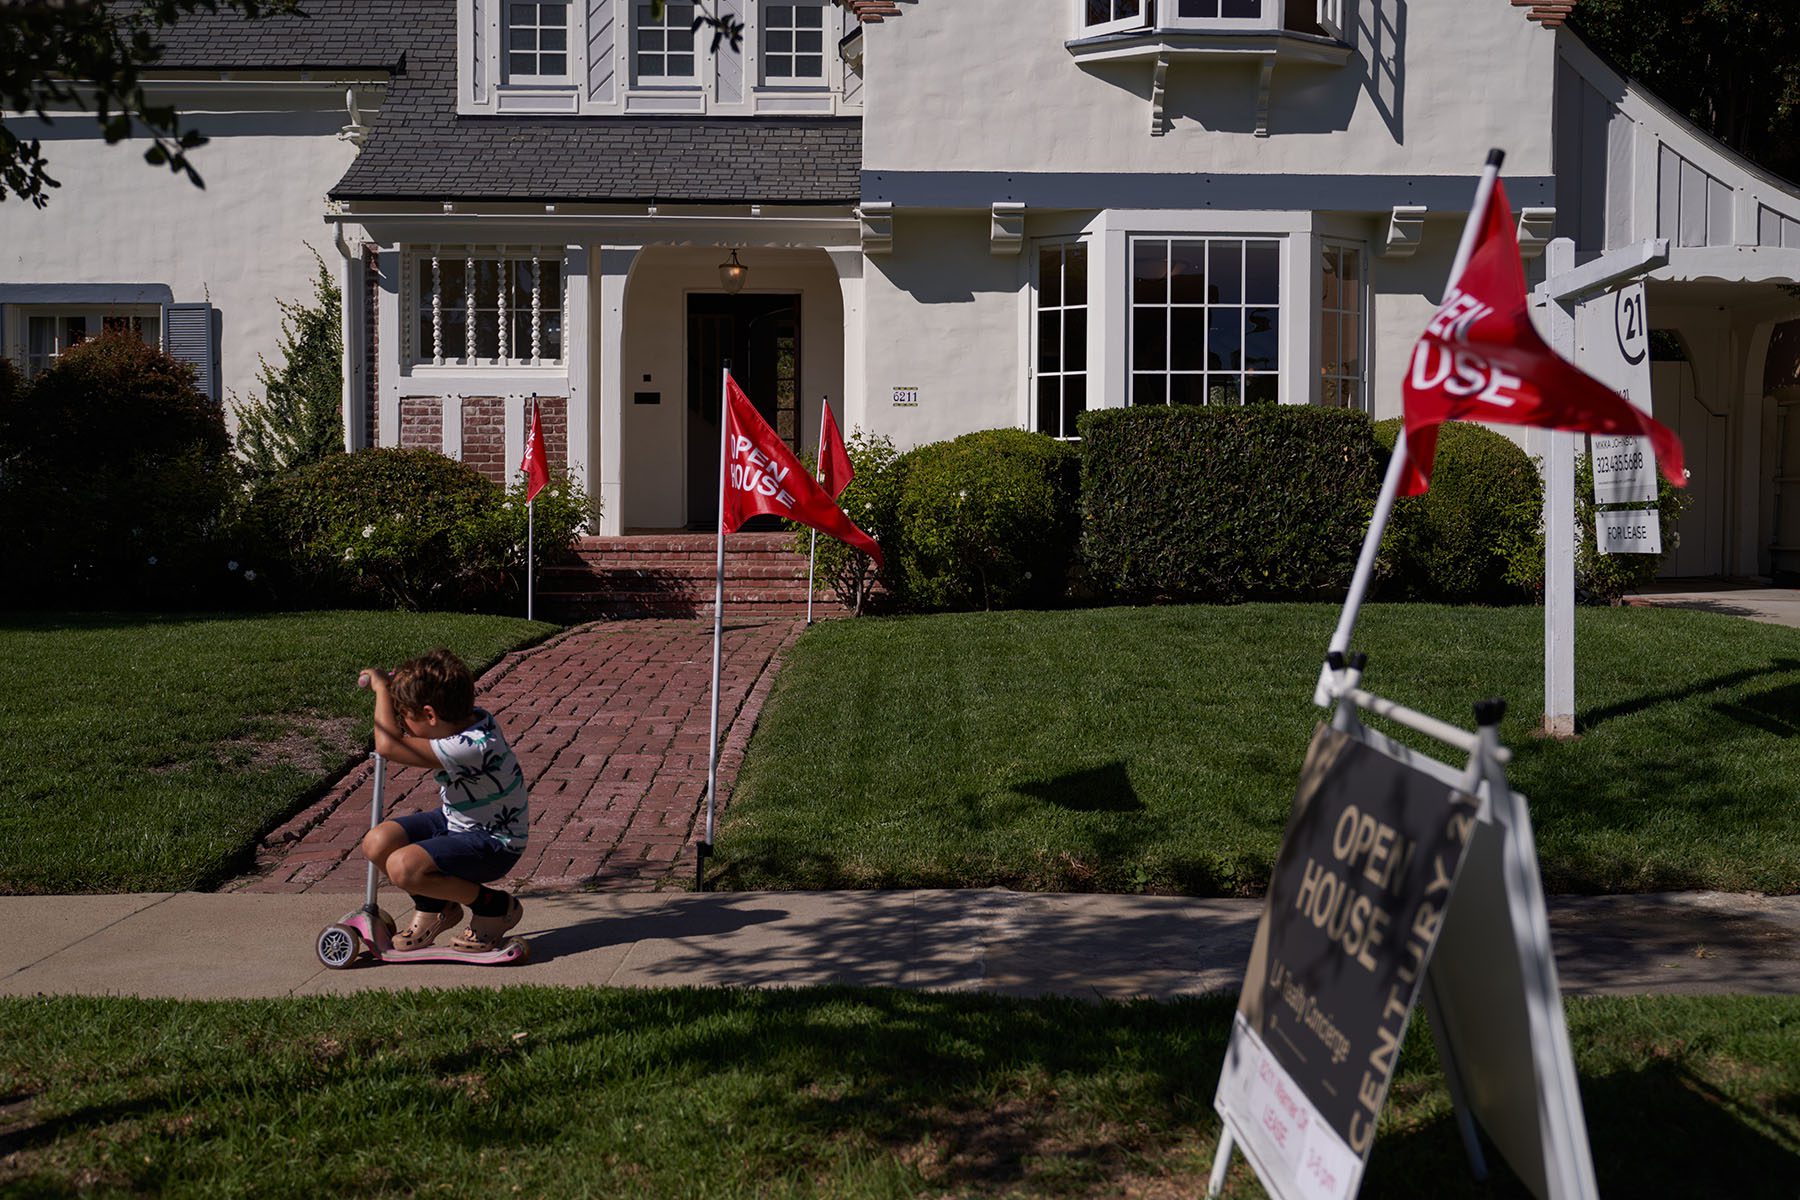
(1158, 748)
(150, 752)
(833, 1093)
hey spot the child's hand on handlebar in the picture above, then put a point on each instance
(372, 677)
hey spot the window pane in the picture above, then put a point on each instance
(1351, 393)
(552, 64)
(1050, 340)
(1241, 9)
(1049, 406)
(1222, 389)
(777, 68)
(1328, 278)
(1351, 272)
(1050, 260)
(1149, 272)
(40, 337)
(522, 39)
(1075, 268)
(650, 39)
(1187, 389)
(809, 66)
(1225, 339)
(1149, 389)
(1187, 339)
(1199, 8)
(456, 324)
(1099, 12)
(553, 14)
(451, 271)
(1330, 355)
(1262, 339)
(680, 15)
(520, 64)
(1225, 270)
(550, 336)
(1149, 339)
(523, 14)
(780, 41)
(811, 41)
(810, 16)
(1262, 273)
(1187, 273)
(1262, 389)
(1075, 339)
(75, 331)
(555, 39)
(1074, 403)
(780, 15)
(681, 65)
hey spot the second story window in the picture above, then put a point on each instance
(1104, 16)
(537, 42)
(793, 49)
(663, 51)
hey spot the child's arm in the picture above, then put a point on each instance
(391, 740)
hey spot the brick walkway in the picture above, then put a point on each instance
(609, 721)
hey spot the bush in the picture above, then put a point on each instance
(1605, 578)
(872, 500)
(407, 528)
(299, 420)
(115, 479)
(1475, 535)
(987, 520)
(1225, 504)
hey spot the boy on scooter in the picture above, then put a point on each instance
(425, 716)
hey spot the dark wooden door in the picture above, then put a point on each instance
(760, 336)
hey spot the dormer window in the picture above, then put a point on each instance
(663, 51)
(537, 43)
(793, 43)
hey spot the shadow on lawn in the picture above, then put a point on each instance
(1592, 718)
(1096, 789)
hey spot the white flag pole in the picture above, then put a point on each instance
(1390, 485)
(530, 529)
(812, 555)
(712, 742)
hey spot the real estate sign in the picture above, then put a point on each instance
(1612, 335)
(1354, 907)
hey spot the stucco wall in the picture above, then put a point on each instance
(989, 85)
(240, 242)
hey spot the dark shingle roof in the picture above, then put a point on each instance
(418, 147)
(347, 34)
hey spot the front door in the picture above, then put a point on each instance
(760, 336)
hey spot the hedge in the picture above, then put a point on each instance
(1226, 503)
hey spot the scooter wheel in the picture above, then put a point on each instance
(338, 946)
(522, 952)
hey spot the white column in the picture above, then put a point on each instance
(1109, 318)
(615, 269)
(452, 431)
(350, 284)
(1302, 295)
(579, 360)
(849, 266)
(388, 335)
(1559, 450)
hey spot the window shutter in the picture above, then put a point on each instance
(190, 334)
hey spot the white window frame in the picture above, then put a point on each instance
(1118, 24)
(826, 52)
(639, 10)
(1243, 305)
(1272, 14)
(94, 317)
(1337, 316)
(511, 77)
(1035, 372)
(429, 273)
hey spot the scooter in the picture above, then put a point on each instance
(342, 941)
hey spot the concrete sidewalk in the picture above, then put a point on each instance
(229, 945)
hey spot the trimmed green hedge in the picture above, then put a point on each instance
(986, 520)
(1225, 504)
(1474, 536)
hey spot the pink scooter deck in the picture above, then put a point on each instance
(340, 944)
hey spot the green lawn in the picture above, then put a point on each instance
(815, 1093)
(150, 752)
(1158, 748)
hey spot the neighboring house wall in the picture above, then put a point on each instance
(240, 243)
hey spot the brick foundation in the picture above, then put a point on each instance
(554, 412)
(484, 435)
(422, 423)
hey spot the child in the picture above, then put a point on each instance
(425, 716)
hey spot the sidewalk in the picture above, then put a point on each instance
(234, 945)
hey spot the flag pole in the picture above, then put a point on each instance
(1324, 691)
(812, 555)
(712, 742)
(530, 536)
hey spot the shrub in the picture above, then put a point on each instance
(1225, 504)
(872, 500)
(987, 520)
(115, 477)
(408, 528)
(299, 420)
(1475, 535)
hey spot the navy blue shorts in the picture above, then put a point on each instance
(473, 854)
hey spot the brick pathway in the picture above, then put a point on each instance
(609, 721)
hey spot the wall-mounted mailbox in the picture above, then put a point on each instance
(646, 397)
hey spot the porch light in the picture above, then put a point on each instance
(731, 275)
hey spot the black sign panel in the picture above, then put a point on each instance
(1355, 904)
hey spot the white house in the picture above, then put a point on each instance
(948, 214)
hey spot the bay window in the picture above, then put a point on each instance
(1343, 329)
(1205, 320)
(1061, 330)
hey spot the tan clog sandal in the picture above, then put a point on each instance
(486, 933)
(426, 927)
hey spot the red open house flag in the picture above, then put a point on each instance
(763, 476)
(1480, 359)
(835, 472)
(534, 465)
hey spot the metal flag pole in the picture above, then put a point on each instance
(1390, 484)
(530, 530)
(812, 555)
(712, 742)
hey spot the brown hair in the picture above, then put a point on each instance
(439, 679)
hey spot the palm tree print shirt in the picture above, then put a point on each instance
(482, 784)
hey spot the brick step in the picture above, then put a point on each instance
(622, 576)
(571, 607)
(687, 563)
(688, 543)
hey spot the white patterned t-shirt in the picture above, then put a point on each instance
(482, 784)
